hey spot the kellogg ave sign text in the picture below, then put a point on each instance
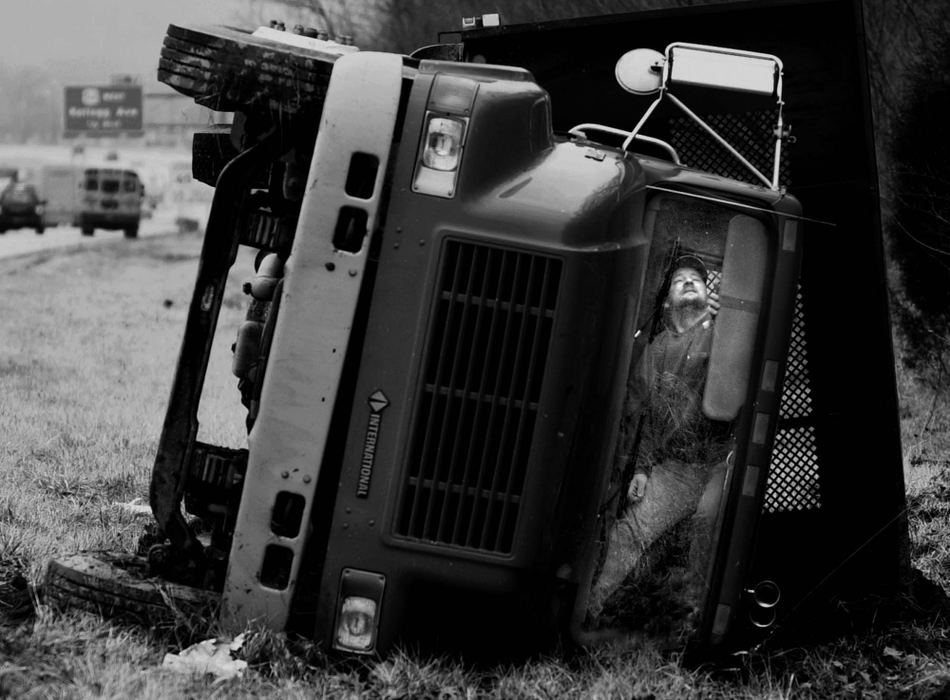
(103, 111)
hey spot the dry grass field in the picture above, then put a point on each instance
(87, 350)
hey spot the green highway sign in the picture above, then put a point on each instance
(105, 110)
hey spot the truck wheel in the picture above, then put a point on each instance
(115, 584)
(87, 230)
(40, 229)
(132, 232)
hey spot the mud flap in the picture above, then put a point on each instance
(318, 302)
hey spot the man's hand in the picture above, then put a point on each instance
(638, 485)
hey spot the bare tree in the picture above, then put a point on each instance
(32, 103)
(331, 16)
(404, 25)
(919, 220)
(908, 66)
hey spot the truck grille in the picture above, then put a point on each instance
(485, 354)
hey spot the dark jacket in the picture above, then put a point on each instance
(664, 401)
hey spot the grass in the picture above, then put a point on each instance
(87, 354)
(925, 433)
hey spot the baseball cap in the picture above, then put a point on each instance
(692, 262)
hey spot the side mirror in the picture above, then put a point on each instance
(740, 297)
(726, 69)
(640, 71)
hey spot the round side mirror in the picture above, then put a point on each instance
(640, 71)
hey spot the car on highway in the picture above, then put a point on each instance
(21, 207)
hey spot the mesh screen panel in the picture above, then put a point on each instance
(793, 482)
(796, 391)
(750, 133)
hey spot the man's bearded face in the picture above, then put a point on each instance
(688, 290)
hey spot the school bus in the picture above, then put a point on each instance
(111, 199)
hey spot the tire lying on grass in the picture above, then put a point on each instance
(117, 585)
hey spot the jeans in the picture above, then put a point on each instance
(674, 491)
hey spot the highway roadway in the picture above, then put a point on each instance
(24, 241)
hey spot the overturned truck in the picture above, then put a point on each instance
(461, 254)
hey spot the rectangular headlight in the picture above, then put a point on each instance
(356, 624)
(437, 168)
(358, 610)
(443, 143)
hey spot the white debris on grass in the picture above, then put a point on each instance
(210, 656)
(137, 506)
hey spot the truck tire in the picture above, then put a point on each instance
(40, 229)
(87, 230)
(131, 232)
(117, 585)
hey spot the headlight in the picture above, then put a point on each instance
(443, 143)
(437, 169)
(358, 610)
(356, 626)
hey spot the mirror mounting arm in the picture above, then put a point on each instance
(646, 115)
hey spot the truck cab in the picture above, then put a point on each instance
(438, 436)
(451, 291)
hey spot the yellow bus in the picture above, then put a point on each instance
(111, 198)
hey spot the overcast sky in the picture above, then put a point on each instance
(90, 40)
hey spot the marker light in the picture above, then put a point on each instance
(356, 624)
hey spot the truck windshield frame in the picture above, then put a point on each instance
(656, 552)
